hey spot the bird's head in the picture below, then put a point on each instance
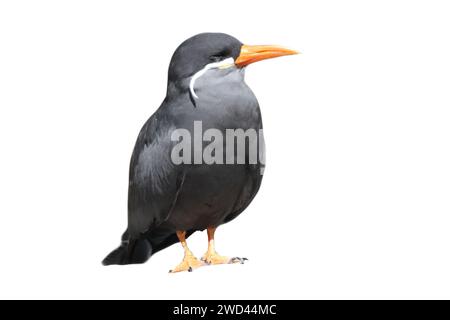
(209, 51)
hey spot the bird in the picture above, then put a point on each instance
(167, 201)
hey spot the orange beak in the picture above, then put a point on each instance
(250, 54)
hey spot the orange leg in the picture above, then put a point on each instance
(212, 257)
(189, 262)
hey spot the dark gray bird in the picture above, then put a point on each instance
(168, 200)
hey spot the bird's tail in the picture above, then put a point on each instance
(131, 251)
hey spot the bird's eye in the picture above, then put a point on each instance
(215, 58)
(219, 55)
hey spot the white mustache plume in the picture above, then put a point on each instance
(215, 65)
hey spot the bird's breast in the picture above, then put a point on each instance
(226, 102)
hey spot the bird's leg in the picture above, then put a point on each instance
(212, 257)
(189, 262)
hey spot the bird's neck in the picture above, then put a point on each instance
(213, 78)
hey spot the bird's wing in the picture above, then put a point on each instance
(154, 181)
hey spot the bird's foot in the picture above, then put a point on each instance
(189, 263)
(212, 258)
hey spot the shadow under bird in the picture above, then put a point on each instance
(167, 202)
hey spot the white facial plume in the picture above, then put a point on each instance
(215, 65)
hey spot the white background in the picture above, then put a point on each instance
(355, 201)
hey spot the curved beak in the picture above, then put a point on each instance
(250, 54)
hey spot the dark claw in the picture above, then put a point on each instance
(170, 271)
(237, 259)
(190, 269)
